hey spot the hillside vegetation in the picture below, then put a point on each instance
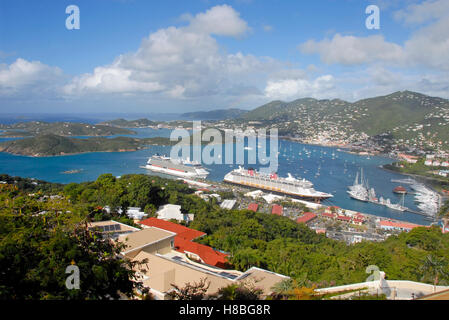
(410, 118)
(34, 128)
(52, 145)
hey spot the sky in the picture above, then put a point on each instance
(169, 56)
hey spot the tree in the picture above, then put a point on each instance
(35, 251)
(433, 268)
(239, 291)
(191, 291)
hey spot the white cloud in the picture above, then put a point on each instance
(428, 45)
(180, 62)
(24, 77)
(295, 88)
(423, 12)
(350, 50)
(220, 20)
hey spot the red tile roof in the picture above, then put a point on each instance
(181, 231)
(344, 218)
(402, 225)
(277, 209)
(306, 217)
(206, 253)
(253, 207)
(183, 241)
(329, 215)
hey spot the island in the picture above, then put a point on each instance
(55, 145)
(122, 123)
(67, 129)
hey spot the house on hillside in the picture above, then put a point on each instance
(172, 211)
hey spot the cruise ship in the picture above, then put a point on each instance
(176, 167)
(290, 186)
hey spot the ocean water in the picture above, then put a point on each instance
(330, 170)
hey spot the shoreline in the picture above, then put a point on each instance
(421, 179)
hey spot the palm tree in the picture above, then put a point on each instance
(434, 268)
(284, 287)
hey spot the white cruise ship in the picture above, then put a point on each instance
(176, 167)
(290, 186)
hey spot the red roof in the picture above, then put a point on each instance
(183, 241)
(253, 207)
(277, 209)
(329, 215)
(206, 253)
(402, 225)
(181, 231)
(306, 217)
(344, 218)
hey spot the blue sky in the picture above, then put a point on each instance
(177, 56)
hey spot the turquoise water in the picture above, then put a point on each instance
(337, 170)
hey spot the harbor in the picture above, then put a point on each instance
(331, 171)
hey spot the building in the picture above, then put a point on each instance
(441, 295)
(277, 209)
(111, 228)
(306, 217)
(408, 158)
(320, 231)
(253, 207)
(183, 243)
(344, 218)
(443, 173)
(397, 226)
(150, 240)
(171, 211)
(132, 212)
(328, 215)
(228, 204)
(168, 264)
(392, 289)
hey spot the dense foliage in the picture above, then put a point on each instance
(252, 239)
(41, 236)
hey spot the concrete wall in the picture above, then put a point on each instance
(162, 247)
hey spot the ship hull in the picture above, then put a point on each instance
(177, 173)
(278, 192)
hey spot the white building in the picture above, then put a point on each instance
(228, 204)
(172, 211)
(132, 212)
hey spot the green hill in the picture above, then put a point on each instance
(34, 128)
(407, 116)
(214, 114)
(53, 145)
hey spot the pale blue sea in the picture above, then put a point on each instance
(336, 172)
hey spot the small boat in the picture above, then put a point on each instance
(400, 190)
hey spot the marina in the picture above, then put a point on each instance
(337, 170)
